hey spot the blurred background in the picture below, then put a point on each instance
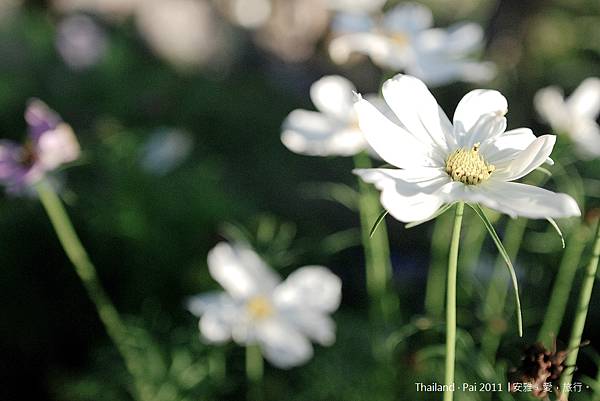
(178, 105)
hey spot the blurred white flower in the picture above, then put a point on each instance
(8, 8)
(575, 116)
(356, 5)
(80, 41)
(257, 308)
(184, 32)
(403, 39)
(293, 28)
(109, 8)
(333, 129)
(165, 150)
(472, 159)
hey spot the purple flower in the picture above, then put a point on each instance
(50, 143)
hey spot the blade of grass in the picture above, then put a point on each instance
(558, 231)
(490, 228)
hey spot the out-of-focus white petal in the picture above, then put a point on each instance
(240, 271)
(408, 18)
(586, 135)
(311, 287)
(383, 51)
(282, 344)
(585, 100)
(516, 199)
(218, 314)
(408, 195)
(436, 69)
(551, 106)
(316, 325)
(311, 133)
(456, 41)
(351, 22)
(57, 147)
(393, 143)
(527, 160)
(474, 105)
(334, 96)
(367, 6)
(418, 111)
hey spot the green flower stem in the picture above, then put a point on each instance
(562, 286)
(436, 277)
(451, 302)
(87, 273)
(581, 312)
(255, 371)
(498, 288)
(376, 248)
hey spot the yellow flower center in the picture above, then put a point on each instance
(468, 167)
(399, 38)
(259, 307)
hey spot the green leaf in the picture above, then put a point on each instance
(557, 228)
(377, 222)
(488, 225)
(439, 212)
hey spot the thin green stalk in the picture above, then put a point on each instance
(559, 296)
(436, 277)
(451, 303)
(376, 248)
(254, 372)
(87, 273)
(497, 291)
(581, 312)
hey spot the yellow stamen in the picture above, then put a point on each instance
(468, 167)
(259, 307)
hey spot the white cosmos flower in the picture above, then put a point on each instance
(472, 159)
(403, 40)
(257, 308)
(576, 116)
(332, 130)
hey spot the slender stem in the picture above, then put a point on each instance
(87, 273)
(436, 277)
(377, 252)
(562, 286)
(495, 299)
(254, 372)
(581, 312)
(451, 303)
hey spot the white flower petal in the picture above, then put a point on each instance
(240, 271)
(486, 130)
(393, 143)
(527, 160)
(383, 51)
(551, 106)
(438, 69)
(408, 18)
(312, 287)
(586, 136)
(418, 111)
(516, 199)
(316, 325)
(454, 42)
(585, 100)
(312, 133)
(351, 22)
(334, 96)
(508, 145)
(282, 344)
(57, 147)
(474, 105)
(218, 313)
(408, 195)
